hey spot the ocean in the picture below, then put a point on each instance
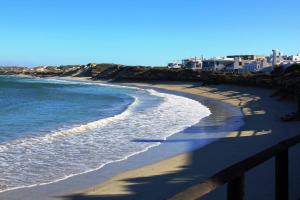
(54, 129)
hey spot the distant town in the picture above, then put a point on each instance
(231, 64)
(238, 63)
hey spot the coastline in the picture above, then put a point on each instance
(184, 166)
(256, 105)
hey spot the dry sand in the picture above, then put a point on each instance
(262, 129)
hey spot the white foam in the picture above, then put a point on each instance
(42, 160)
(72, 131)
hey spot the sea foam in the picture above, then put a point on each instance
(55, 156)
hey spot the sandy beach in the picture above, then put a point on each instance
(149, 100)
(161, 180)
(262, 129)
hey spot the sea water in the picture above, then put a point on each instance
(53, 129)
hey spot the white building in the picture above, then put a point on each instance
(255, 66)
(248, 63)
(175, 64)
(238, 63)
(217, 64)
(290, 59)
(295, 58)
(283, 60)
(194, 63)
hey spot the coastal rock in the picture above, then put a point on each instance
(286, 81)
(45, 71)
(15, 70)
(156, 73)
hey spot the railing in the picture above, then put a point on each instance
(234, 175)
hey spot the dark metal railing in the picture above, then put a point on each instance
(234, 176)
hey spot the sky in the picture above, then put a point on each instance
(143, 32)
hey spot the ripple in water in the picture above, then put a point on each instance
(86, 147)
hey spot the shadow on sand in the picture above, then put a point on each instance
(219, 154)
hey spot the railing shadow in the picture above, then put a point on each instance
(206, 161)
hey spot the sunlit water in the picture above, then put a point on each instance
(54, 129)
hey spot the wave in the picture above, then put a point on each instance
(74, 130)
(107, 140)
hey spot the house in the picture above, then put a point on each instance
(289, 60)
(248, 63)
(248, 57)
(295, 58)
(255, 66)
(218, 64)
(238, 63)
(283, 60)
(194, 63)
(174, 65)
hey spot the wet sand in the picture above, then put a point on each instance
(262, 129)
(173, 174)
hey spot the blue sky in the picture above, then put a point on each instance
(143, 32)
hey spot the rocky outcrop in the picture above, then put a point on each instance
(140, 73)
(84, 71)
(287, 81)
(46, 71)
(43, 71)
(137, 73)
(104, 71)
(14, 70)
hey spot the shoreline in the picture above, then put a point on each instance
(133, 162)
(98, 168)
(270, 110)
(114, 186)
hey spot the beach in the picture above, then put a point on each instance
(257, 106)
(161, 178)
(149, 100)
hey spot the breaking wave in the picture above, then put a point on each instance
(87, 147)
